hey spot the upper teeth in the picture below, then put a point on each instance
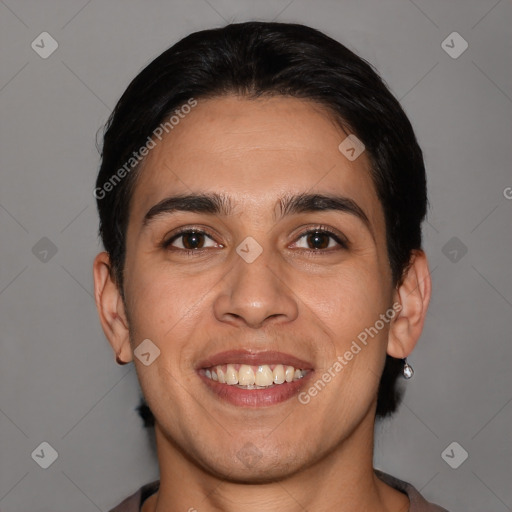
(259, 376)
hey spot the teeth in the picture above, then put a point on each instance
(278, 374)
(264, 376)
(231, 375)
(246, 376)
(249, 377)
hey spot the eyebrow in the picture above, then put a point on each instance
(220, 204)
(211, 203)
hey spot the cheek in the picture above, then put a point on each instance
(349, 307)
(174, 311)
(160, 295)
(349, 301)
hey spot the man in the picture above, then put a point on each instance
(261, 195)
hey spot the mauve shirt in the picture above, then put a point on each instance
(418, 502)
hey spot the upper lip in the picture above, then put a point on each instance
(254, 359)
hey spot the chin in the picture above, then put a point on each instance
(250, 465)
(262, 474)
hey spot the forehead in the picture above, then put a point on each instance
(255, 150)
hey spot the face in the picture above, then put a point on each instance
(258, 277)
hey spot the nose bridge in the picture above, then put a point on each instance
(254, 292)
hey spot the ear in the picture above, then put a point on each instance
(111, 308)
(413, 296)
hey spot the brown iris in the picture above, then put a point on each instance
(319, 240)
(193, 240)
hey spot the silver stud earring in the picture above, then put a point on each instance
(408, 371)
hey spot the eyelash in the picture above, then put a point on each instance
(323, 230)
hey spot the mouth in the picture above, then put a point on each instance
(252, 379)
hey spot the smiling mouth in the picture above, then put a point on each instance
(246, 376)
(254, 379)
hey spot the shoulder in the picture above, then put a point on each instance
(133, 503)
(418, 502)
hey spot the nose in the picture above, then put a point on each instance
(254, 294)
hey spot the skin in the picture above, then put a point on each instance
(293, 298)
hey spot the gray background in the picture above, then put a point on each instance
(58, 379)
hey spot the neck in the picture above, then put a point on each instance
(343, 480)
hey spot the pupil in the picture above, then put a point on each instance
(192, 240)
(319, 240)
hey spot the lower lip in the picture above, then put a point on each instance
(256, 397)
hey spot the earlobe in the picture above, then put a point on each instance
(110, 306)
(413, 295)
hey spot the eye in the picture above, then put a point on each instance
(190, 240)
(319, 239)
